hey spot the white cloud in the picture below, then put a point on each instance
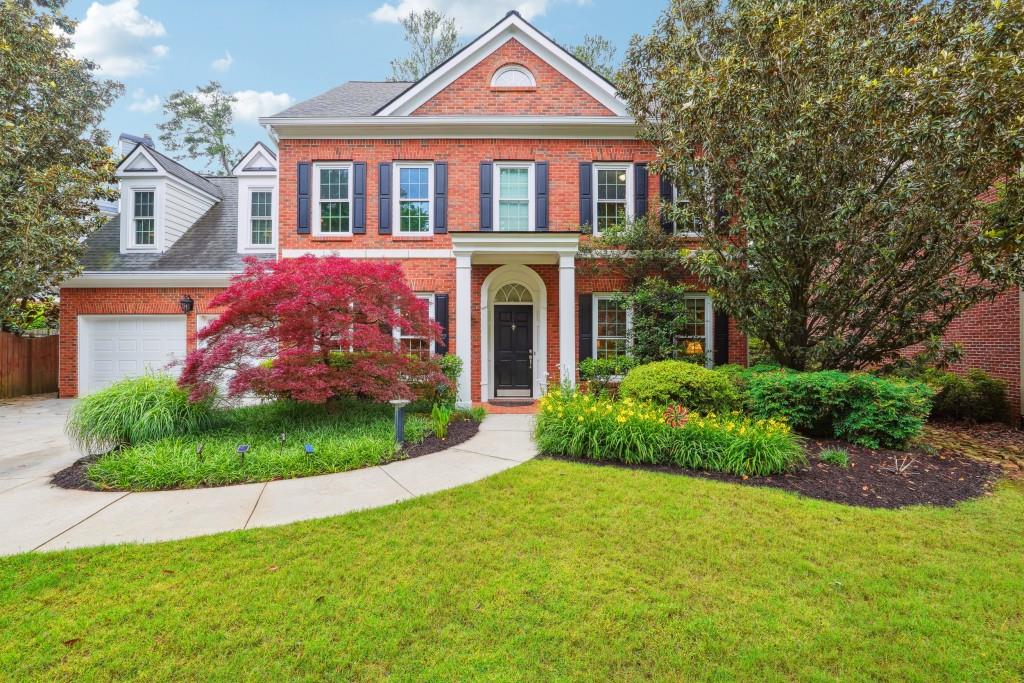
(250, 104)
(223, 63)
(146, 105)
(471, 16)
(119, 38)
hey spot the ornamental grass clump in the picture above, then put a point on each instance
(581, 426)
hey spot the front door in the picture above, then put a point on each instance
(513, 351)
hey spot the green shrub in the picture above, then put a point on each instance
(679, 382)
(600, 372)
(136, 410)
(976, 396)
(858, 407)
(582, 426)
(440, 418)
(451, 367)
(835, 456)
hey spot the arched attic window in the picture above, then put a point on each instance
(513, 76)
(513, 293)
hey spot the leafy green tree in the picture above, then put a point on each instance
(598, 53)
(199, 124)
(54, 160)
(432, 38)
(832, 154)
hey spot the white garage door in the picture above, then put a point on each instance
(113, 347)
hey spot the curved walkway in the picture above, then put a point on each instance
(34, 515)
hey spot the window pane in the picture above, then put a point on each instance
(609, 214)
(611, 183)
(513, 215)
(696, 327)
(514, 183)
(145, 231)
(261, 205)
(333, 183)
(144, 204)
(611, 348)
(611, 318)
(334, 217)
(413, 183)
(414, 216)
(262, 231)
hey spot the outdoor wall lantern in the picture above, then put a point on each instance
(187, 304)
(399, 405)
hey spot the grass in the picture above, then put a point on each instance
(551, 571)
(344, 436)
(835, 456)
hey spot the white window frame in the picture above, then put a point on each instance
(157, 233)
(531, 194)
(396, 332)
(249, 218)
(532, 81)
(396, 199)
(317, 167)
(675, 223)
(608, 166)
(608, 296)
(709, 328)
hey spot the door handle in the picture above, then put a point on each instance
(531, 359)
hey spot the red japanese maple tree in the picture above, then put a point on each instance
(312, 329)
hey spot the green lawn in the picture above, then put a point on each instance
(549, 571)
(344, 436)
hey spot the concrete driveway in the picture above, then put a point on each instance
(34, 515)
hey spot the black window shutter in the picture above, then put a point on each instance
(441, 317)
(384, 198)
(586, 326)
(541, 183)
(302, 207)
(640, 190)
(359, 198)
(440, 197)
(486, 195)
(721, 338)
(665, 190)
(586, 193)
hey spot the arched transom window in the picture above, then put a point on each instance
(513, 76)
(513, 293)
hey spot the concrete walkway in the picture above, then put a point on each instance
(35, 515)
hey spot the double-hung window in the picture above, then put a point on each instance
(144, 218)
(261, 217)
(414, 184)
(514, 183)
(694, 343)
(685, 227)
(417, 346)
(612, 322)
(333, 199)
(613, 195)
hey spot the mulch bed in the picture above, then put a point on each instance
(998, 443)
(459, 431)
(870, 480)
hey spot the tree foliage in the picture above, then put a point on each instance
(598, 53)
(312, 329)
(54, 160)
(832, 154)
(432, 37)
(199, 124)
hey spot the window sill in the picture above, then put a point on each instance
(414, 237)
(525, 88)
(332, 238)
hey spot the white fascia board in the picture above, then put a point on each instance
(370, 253)
(469, 244)
(239, 168)
(193, 278)
(140, 150)
(462, 127)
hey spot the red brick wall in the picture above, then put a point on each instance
(120, 301)
(471, 93)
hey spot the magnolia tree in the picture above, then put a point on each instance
(832, 153)
(312, 329)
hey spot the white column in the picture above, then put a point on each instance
(463, 326)
(567, 318)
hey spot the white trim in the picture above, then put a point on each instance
(607, 296)
(315, 199)
(258, 148)
(499, 277)
(709, 327)
(396, 199)
(567, 341)
(370, 253)
(150, 278)
(675, 224)
(245, 191)
(612, 166)
(160, 172)
(543, 244)
(513, 68)
(455, 127)
(463, 325)
(396, 332)
(158, 233)
(531, 196)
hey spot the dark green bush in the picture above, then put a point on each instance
(600, 372)
(858, 407)
(679, 382)
(976, 396)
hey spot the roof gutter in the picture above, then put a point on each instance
(150, 278)
(390, 127)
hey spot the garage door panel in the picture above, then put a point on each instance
(113, 348)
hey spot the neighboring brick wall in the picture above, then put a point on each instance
(471, 93)
(120, 301)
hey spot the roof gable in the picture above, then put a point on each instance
(147, 161)
(259, 160)
(510, 32)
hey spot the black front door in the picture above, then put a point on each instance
(513, 350)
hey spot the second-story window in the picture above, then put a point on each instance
(514, 184)
(144, 217)
(613, 194)
(415, 186)
(261, 218)
(334, 199)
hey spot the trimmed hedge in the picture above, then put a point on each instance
(857, 407)
(976, 396)
(671, 382)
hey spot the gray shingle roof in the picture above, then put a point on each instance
(209, 245)
(355, 98)
(181, 173)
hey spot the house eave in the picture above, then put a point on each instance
(396, 127)
(192, 278)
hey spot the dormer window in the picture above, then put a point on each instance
(513, 76)
(261, 217)
(144, 218)
(257, 200)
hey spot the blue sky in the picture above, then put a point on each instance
(275, 53)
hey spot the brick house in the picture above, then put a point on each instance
(476, 179)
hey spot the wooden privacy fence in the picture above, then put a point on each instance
(28, 365)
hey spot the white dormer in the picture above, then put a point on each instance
(257, 200)
(160, 200)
